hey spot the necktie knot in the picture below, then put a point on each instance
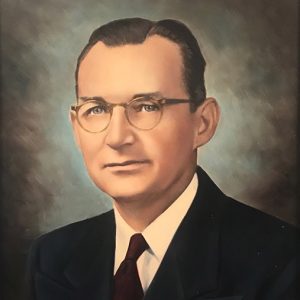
(137, 245)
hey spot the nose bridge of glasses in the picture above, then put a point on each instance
(123, 104)
(112, 108)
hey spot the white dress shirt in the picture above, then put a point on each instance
(158, 234)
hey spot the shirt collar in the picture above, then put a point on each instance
(160, 232)
(168, 221)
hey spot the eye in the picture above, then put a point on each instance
(149, 107)
(97, 110)
(145, 106)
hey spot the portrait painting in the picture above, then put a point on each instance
(100, 129)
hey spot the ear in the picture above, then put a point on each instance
(206, 120)
(75, 126)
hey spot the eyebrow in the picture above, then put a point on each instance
(85, 98)
(139, 95)
(153, 94)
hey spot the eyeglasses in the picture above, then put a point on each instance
(94, 114)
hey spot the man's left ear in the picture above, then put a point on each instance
(206, 120)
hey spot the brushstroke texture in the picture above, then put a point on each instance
(251, 53)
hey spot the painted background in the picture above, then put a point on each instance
(251, 52)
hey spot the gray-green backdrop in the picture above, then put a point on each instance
(251, 52)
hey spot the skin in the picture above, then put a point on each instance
(167, 153)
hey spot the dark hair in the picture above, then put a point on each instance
(137, 30)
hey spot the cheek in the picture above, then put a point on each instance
(90, 145)
(172, 145)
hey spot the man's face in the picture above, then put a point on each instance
(165, 154)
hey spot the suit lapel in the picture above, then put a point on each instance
(190, 265)
(90, 269)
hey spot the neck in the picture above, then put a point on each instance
(140, 212)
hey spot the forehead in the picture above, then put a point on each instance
(155, 65)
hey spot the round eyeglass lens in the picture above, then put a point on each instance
(144, 114)
(94, 116)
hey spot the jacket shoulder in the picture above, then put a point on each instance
(254, 238)
(74, 231)
(237, 213)
(54, 249)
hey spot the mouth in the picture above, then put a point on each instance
(125, 163)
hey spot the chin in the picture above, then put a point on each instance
(127, 194)
(123, 189)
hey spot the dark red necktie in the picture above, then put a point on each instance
(127, 283)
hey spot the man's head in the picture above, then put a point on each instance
(136, 31)
(125, 161)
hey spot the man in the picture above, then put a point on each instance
(141, 115)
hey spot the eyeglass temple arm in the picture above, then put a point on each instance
(175, 101)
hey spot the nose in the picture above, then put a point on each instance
(119, 132)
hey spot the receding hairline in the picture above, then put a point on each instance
(92, 43)
(147, 39)
(172, 49)
(150, 38)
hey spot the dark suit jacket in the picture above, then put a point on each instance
(223, 249)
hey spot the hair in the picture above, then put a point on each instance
(137, 30)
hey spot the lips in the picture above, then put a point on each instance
(125, 163)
